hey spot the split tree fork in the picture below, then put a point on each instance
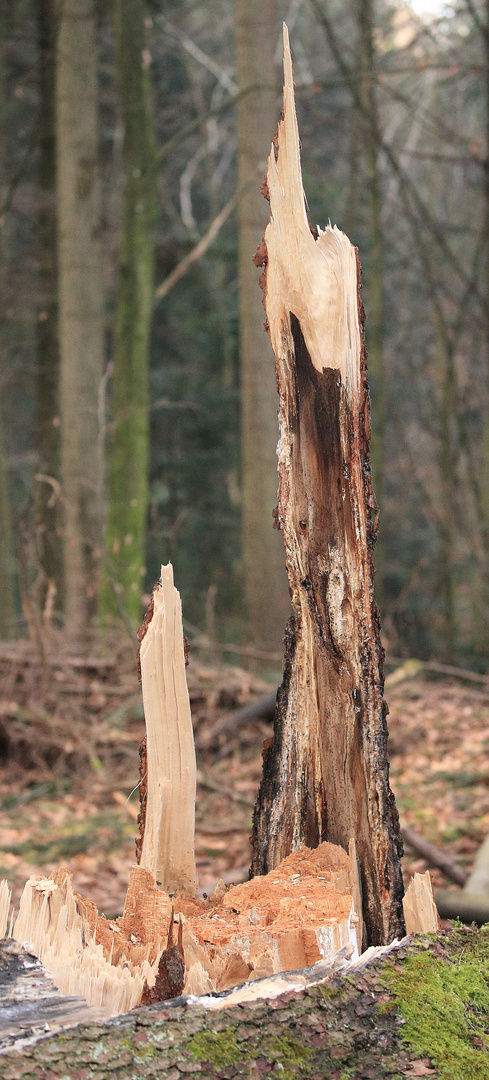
(326, 773)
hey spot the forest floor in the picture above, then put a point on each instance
(70, 730)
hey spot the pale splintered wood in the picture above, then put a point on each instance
(60, 928)
(168, 848)
(419, 905)
(302, 914)
(313, 279)
(5, 898)
(326, 773)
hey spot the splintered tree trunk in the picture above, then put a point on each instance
(326, 773)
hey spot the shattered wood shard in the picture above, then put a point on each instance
(326, 773)
(167, 840)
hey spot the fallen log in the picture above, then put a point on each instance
(435, 857)
(262, 709)
(326, 773)
(346, 1026)
(466, 906)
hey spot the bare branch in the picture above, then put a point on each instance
(200, 248)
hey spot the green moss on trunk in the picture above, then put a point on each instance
(129, 450)
(444, 999)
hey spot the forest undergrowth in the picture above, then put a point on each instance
(70, 730)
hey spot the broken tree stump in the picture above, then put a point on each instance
(326, 774)
(325, 796)
(304, 914)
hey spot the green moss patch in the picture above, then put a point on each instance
(219, 1048)
(443, 996)
(291, 1056)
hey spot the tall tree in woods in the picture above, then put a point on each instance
(481, 21)
(81, 309)
(129, 450)
(263, 558)
(6, 550)
(6, 538)
(373, 256)
(47, 396)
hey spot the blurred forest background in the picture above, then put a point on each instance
(138, 403)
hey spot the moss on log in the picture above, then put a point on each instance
(423, 1010)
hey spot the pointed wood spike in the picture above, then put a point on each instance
(419, 905)
(311, 277)
(168, 843)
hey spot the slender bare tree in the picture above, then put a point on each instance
(263, 557)
(47, 427)
(81, 308)
(129, 451)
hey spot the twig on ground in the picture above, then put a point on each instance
(231, 721)
(469, 907)
(408, 669)
(208, 782)
(203, 642)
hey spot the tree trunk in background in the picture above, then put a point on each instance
(6, 550)
(7, 607)
(482, 600)
(81, 309)
(263, 559)
(374, 276)
(47, 426)
(129, 452)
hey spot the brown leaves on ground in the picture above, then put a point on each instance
(438, 747)
(70, 731)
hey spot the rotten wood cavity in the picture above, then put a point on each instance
(326, 773)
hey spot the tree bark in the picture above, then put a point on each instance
(81, 309)
(128, 465)
(326, 773)
(374, 281)
(482, 599)
(47, 421)
(264, 578)
(7, 606)
(6, 550)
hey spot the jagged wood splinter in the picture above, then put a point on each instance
(168, 832)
